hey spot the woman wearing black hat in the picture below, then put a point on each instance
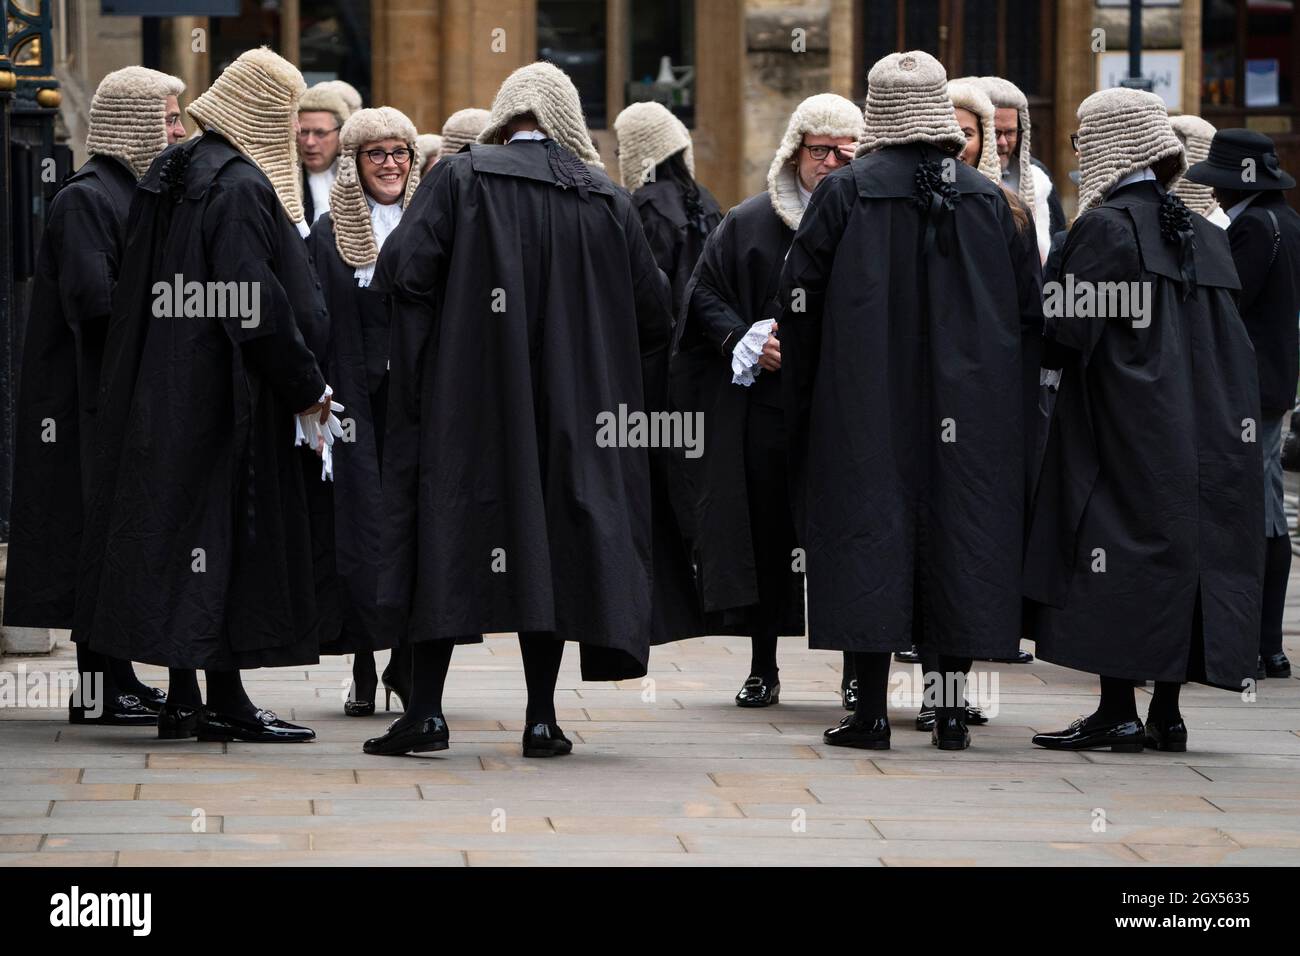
(1247, 179)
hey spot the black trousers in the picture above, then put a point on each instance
(771, 528)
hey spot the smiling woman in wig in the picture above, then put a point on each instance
(379, 169)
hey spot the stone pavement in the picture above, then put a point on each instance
(669, 774)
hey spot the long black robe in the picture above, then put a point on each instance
(674, 238)
(197, 550)
(734, 286)
(347, 514)
(1146, 467)
(902, 378)
(525, 303)
(54, 423)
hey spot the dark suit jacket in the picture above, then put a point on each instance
(1269, 301)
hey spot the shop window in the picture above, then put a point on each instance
(571, 34)
(661, 64)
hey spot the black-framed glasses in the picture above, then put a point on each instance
(401, 156)
(820, 152)
(317, 133)
(1074, 142)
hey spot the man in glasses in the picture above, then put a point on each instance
(1021, 172)
(321, 115)
(727, 364)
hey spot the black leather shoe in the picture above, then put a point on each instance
(925, 718)
(867, 735)
(1167, 735)
(908, 657)
(1276, 665)
(950, 733)
(1019, 657)
(756, 692)
(411, 736)
(151, 697)
(849, 695)
(262, 728)
(546, 740)
(1124, 736)
(124, 710)
(177, 722)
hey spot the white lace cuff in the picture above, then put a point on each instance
(744, 357)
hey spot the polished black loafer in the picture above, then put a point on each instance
(124, 710)
(178, 722)
(1275, 665)
(950, 733)
(1019, 657)
(262, 728)
(925, 718)
(865, 735)
(908, 657)
(153, 697)
(1167, 735)
(849, 695)
(1124, 736)
(408, 735)
(756, 692)
(546, 740)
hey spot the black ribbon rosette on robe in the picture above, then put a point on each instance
(936, 196)
(1176, 228)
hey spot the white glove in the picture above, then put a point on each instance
(745, 356)
(307, 430)
(1051, 377)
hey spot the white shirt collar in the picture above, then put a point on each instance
(805, 197)
(1134, 177)
(1238, 208)
(527, 134)
(319, 184)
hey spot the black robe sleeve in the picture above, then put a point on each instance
(1100, 248)
(801, 299)
(243, 249)
(654, 313)
(710, 306)
(411, 268)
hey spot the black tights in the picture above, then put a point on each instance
(762, 661)
(1277, 568)
(1118, 701)
(118, 676)
(872, 672)
(541, 652)
(226, 692)
(944, 677)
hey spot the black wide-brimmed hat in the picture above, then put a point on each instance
(1226, 166)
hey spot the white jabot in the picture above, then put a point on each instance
(304, 230)
(1240, 207)
(1134, 177)
(383, 220)
(527, 134)
(319, 184)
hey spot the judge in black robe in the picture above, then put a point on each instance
(527, 310)
(77, 266)
(749, 570)
(901, 342)
(1143, 541)
(198, 550)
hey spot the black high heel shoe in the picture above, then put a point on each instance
(396, 678)
(361, 694)
(411, 736)
(546, 740)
